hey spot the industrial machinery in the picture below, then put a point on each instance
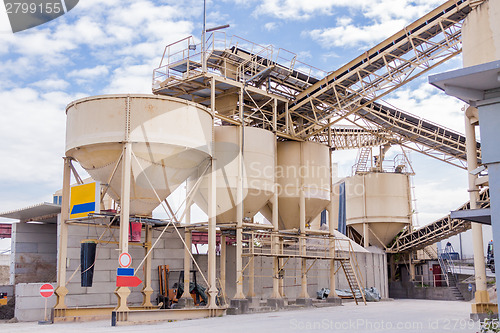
(170, 293)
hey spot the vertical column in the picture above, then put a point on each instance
(481, 295)
(122, 293)
(187, 257)
(302, 243)
(223, 265)
(276, 245)
(412, 266)
(239, 209)
(302, 225)
(187, 264)
(331, 229)
(212, 217)
(287, 116)
(282, 268)
(61, 290)
(147, 290)
(275, 213)
(251, 277)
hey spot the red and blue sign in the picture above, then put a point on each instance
(125, 278)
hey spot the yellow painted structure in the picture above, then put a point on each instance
(84, 199)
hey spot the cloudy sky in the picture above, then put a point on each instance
(112, 46)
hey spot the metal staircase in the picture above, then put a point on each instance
(365, 155)
(352, 280)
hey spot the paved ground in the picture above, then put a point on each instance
(389, 316)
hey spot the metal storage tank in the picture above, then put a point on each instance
(170, 138)
(258, 172)
(380, 200)
(481, 31)
(303, 165)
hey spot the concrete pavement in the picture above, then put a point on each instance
(388, 316)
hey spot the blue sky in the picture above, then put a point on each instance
(112, 46)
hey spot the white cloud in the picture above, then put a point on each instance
(89, 73)
(351, 35)
(270, 26)
(51, 84)
(430, 103)
(131, 79)
(379, 10)
(33, 132)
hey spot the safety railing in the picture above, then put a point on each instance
(435, 280)
(239, 59)
(260, 243)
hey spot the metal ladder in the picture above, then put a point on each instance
(364, 157)
(352, 280)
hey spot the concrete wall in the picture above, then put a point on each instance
(34, 253)
(4, 269)
(398, 290)
(29, 304)
(168, 251)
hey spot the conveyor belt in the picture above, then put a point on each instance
(434, 232)
(398, 45)
(413, 51)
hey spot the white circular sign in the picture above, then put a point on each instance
(125, 259)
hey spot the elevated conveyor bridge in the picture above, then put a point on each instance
(418, 239)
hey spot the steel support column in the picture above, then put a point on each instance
(239, 208)
(223, 252)
(147, 290)
(61, 290)
(481, 295)
(122, 293)
(303, 244)
(212, 217)
(187, 263)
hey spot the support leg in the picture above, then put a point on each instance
(61, 290)
(147, 290)
(122, 293)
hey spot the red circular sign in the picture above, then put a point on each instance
(125, 259)
(46, 290)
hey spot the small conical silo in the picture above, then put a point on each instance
(169, 137)
(378, 205)
(302, 166)
(258, 172)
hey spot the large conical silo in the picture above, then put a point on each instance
(302, 166)
(170, 138)
(257, 172)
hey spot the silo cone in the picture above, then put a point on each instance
(87, 260)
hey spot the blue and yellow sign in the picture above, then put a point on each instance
(84, 199)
